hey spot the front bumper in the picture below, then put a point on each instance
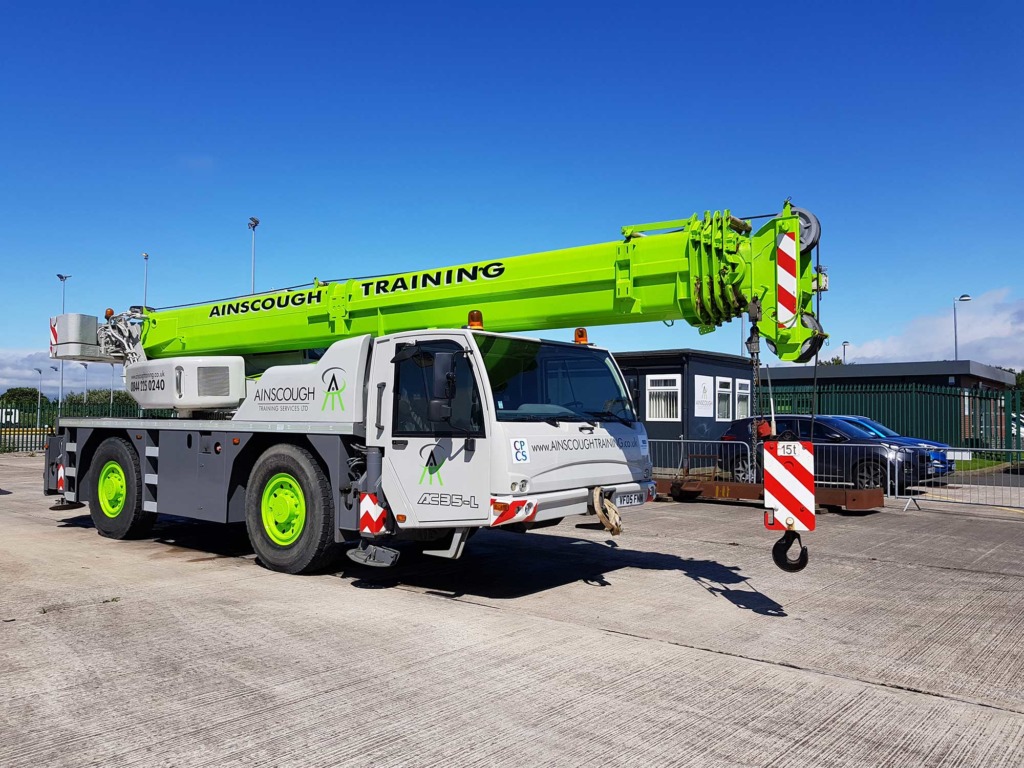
(537, 507)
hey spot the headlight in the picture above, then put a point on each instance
(515, 486)
(895, 452)
(523, 485)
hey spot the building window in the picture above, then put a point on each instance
(664, 397)
(723, 399)
(742, 399)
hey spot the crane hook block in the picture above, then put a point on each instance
(780, 553)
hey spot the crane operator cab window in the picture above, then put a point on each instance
(413, 382)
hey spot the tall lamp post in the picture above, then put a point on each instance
(85, 399)
(39, 396)
(956, 347)
(111, 411)
(253, 223)
(845, 345)
(145, 279)
(63, 291)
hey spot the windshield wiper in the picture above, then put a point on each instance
(534, 417)
(606, 415)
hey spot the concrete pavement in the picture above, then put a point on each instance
(678, 643)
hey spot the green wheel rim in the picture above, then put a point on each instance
(112, 489)
(284, 509)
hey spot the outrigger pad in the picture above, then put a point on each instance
(373, 555)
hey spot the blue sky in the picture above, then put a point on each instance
(382, 137)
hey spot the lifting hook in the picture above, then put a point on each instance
(780, 553)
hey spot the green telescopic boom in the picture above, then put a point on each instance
(705, 271)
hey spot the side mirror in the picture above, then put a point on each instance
(444, 376)
(439, 410)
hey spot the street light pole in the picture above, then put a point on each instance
(845, 345)
(85, 400)
(63, 291)
(956, 346)
(253, 223)
(111, 411)
(39, 396)
(145, 280)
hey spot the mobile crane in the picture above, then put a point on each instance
(377, 410)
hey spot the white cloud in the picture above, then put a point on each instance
(17, 370)
(988, 330)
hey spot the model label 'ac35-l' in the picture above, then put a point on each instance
(448, 500)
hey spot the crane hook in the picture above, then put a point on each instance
(780, 553)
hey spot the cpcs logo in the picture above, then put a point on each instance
(434, 456)
(334, 384)
(520, 451)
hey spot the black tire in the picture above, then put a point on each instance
(130, 522)
(745, 471)
(869, 474)
(313, 547)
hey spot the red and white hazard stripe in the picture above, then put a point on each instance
(505, 509)
(785, 261)
(372, 516)
(53, 333)
(60, 478)
(789, 486)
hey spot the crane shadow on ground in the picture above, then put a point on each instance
(496, 565)
(181, 534)
(503, 566)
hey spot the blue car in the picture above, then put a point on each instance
(939, 463)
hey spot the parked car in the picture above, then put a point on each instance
(939, 463)
(844, 454)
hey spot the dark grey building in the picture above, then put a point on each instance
(687, 391)
(964, 374)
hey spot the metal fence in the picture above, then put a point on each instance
(700, 459)
(843, 465)
(24, 428)
(966, 475)
(988, 477)
(971, 418)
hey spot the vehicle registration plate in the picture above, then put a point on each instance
(629, 499)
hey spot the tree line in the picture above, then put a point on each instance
(25, 398)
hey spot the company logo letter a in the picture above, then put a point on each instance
(334, 389)
(432, 468)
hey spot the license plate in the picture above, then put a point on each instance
(629, 500)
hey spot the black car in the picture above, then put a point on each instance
(844, 454)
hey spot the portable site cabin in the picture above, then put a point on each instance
(688, 392)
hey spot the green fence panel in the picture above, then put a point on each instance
(960, 417)
(24, 428)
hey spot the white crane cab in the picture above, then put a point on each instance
(481, 429)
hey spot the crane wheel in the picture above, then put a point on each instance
(289, 511)
(115, 491)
